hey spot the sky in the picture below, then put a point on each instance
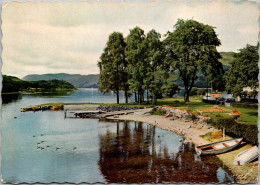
(69, 37)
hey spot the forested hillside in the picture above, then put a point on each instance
(14, 84)
(79, 81)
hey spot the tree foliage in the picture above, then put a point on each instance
(140, 63)
(154, 57)
(192, 47)
(243, 71)
(136, 58)
(14, 84)
(112, 65)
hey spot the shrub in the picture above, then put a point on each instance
(193, 91)
(248, 132)
(201, 91)
(244, 105)
(158, 111)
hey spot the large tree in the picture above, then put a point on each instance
(191, 47)
(243, 71)
(154, 57)
(137, 65)
(112, 66)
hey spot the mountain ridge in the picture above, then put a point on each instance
(79, 81)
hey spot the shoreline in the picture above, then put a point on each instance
(191, 132)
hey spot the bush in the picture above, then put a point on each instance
(248, 132)
(244, 105)
(193, 91)
(201, 91)
(158, 111)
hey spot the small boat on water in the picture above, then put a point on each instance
(246, 156)
(218, 147)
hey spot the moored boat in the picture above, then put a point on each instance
(246, 156)
(218, 147)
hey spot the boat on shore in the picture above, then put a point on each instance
(218, 147)
(246, 156)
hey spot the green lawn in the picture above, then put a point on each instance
(249, 116)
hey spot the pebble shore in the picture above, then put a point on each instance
(191, 131)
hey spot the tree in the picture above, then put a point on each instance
(112, 65)
(243, 71)
(137, 65)
(192, 47)
(154, 57)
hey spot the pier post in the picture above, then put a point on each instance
(65, 113)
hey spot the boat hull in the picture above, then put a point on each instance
(218, 147)
(246, 156)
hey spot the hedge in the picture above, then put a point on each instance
(244, 105)
(248, 132)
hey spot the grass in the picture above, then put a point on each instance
(62, 103)
(249, 116)
(194, 104)
(209, 134)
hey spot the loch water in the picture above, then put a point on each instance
(45, 147)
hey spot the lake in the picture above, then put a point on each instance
(45, 147)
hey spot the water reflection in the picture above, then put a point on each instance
(135, 153)
(8, 98)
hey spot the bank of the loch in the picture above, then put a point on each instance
(192, 132)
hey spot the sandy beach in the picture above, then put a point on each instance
(191, 132)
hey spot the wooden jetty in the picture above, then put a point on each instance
(100, 114)
(87, 114)
(116, 113)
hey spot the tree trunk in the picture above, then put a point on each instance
(207, 90)
(139, 97)
(135, 97)
(187, 98)
(188, 88)
(147, 94)
(155, 100)
(126, 96)
(117, 96)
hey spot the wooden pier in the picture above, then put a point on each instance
(100, 114)
(87, 114)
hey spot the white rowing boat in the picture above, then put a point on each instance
(218, 147)
(246, 156)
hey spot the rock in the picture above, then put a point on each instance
(189, 117)
(116, 108)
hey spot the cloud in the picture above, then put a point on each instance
(69, 37)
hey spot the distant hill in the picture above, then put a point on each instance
(84, 81)
(227, 57)
(14, 84)
(79, 81)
